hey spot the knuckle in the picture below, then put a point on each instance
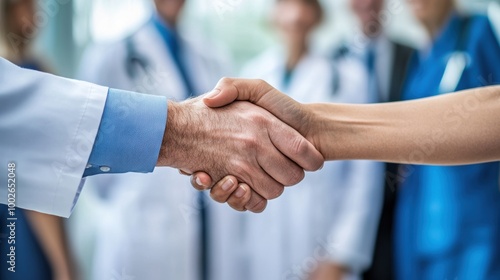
(257, 206)
(237, 206)
(262, 83)
(314, 162)
(318, 163)
(300, 146)
(274, 192)
(217, 194)
(259, 119)
(237, 203)
(238, 168)
(296, 176)
(248, 144)
(264, 87)
(226, 81)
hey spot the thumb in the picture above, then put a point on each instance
(258, 92)
(229, 90)
(224, 93)
(220, 97)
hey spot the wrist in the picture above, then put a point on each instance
(169, 153)
(184, 134)
(322, 128)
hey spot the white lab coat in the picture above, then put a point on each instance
(150, 229)
(48, 126)
(332, 215)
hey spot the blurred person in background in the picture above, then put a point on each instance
(332, 215)
(448, 218)
(375, 63)
(385, 62)
(148, 231)
(41, 245)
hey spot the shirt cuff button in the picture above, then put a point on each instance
(105, 169)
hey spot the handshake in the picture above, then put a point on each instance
(252, 150)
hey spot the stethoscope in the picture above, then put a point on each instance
(135, 62)
(493, 12)
(339, 54)
(457, 62)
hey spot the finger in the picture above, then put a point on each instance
(258, 92)
(220, 96)
(228, 90)
(223, 189)
(278, 166)
(280, 105)
(201, 181)
(295, 146)
(240, 197)
(263, 184)
(256, 204)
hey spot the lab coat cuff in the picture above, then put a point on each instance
(130, 134)
(71, 183)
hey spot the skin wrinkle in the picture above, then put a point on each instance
(264, 97)
(298, 146)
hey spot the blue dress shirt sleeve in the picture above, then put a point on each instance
(130, 134)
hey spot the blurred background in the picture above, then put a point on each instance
(242, 27)
(340, 219)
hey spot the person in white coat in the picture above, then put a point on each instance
(332, 215)
(152, 227)
(41, 238)
(385, 62)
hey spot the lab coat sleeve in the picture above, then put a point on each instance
(352, 236)
(48, 128)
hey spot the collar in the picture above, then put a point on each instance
(359, 44)
(446, 39)
(167, 32)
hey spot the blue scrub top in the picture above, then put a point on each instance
(448, 218)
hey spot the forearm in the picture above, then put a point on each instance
(49, 231)
(456, 128)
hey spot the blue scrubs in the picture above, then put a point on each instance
(448, 218)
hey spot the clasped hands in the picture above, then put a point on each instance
(251, 150)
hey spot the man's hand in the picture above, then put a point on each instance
(263, 95)
(240, 139)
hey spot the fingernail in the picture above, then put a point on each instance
(227, 185)
(213, 93)
(198, 182)
(240, 192)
